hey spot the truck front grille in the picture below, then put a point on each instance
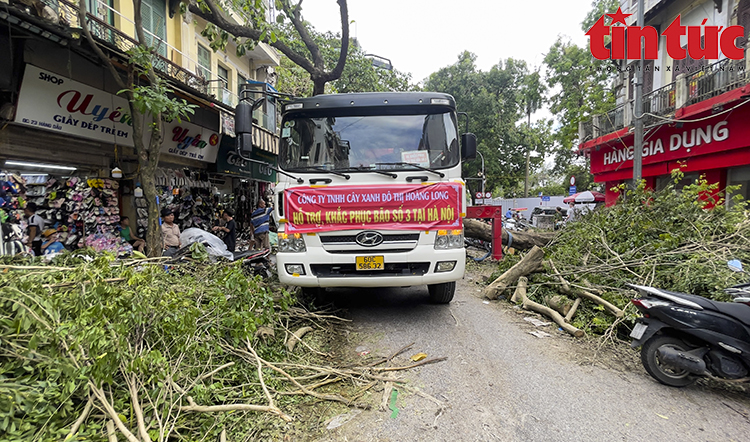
(349, 270)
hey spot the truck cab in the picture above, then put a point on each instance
(371, 194)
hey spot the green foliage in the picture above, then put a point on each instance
(104, 321)
(675, 239)
(154, 99)
(496, 101)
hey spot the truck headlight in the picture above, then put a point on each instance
(449, 239)
(291, 243)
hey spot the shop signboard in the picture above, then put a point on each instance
(229, 162)
(397, 206)
(190, 141)
(53, 102)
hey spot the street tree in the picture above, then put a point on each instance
(496, 108)
(359, 74)
(150, 106)
(288, 28)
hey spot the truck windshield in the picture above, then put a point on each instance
(373, 142)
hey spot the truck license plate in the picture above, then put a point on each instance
(370, 263)
(638, 331)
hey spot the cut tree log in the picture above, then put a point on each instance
(539, 308)
(521, 240)
(560, 304)
(520, 294)
(529, 264)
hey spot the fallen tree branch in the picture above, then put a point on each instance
(398, 352)
(572, 310)
(425, 362)
(81, 419)
(520, 293)
(539, 308)
(528, 264)
(296, 337)
(568, 290)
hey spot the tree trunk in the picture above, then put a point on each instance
(530, 263)
(521, 240)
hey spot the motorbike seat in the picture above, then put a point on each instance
(738, 311)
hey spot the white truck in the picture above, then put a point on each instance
(370, 192)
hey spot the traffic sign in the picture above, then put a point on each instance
(479, 195)
(573, 190)
(545, 198)
(572, 181)
(488, 195)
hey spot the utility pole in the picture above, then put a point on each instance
(638, 108)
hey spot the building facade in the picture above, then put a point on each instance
(60, 112)
(695, 110)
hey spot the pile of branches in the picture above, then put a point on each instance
(96, 348)
(675, 240)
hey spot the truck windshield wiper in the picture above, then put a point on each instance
(323, 169)
(367, 169)
(441, 174)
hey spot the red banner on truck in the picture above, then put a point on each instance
(392, 207)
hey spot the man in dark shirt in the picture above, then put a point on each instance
(230, 239)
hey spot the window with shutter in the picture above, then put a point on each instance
(204, 62)
(743, 19)
(154, 16)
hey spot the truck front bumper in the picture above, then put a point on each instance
(417, 267)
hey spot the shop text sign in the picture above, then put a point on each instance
(669, 143)
(315, 209)
(52, 102)
(190, 141)
(702, 41)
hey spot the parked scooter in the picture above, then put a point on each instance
(684, 337)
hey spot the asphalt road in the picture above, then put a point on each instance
(501, 383)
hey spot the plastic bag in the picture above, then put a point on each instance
(214, 245)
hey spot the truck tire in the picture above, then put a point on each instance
(442, 293)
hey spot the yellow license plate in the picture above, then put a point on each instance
(370, 263)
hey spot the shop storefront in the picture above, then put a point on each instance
(250, 181)
(717, 147)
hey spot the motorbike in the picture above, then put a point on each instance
(684, 337)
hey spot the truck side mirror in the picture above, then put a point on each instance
(243, 127)
(468, 146)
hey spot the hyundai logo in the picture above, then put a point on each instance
(369, 239)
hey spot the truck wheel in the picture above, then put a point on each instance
(674, 377)
(442, 293)
(316, 294)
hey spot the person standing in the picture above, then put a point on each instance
(34, 229)
(260, 220)
(230, 227)
(170, 233)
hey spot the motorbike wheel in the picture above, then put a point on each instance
(674, 377)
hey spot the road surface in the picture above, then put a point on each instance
(500, 383)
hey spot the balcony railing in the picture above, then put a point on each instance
(659, 103)
(118, 40)
(711, 81)
(715, 79)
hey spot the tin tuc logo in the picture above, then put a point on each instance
(630, 37)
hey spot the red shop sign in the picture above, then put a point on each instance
(393, 207)
(670, 142)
